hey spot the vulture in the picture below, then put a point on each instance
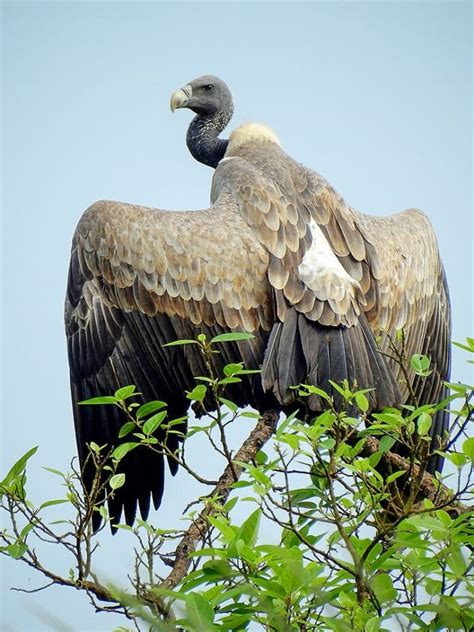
(322, 287)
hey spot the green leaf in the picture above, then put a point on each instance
(261, 457)
(386, 443)
(230, 369)
(240, 484)
(198, 393)
(383, 588)
(362, 401)
(224, 528)
(95, 401)
(391, 417)
(420, 364)
(93, 447)
(342, 390)
(26, 529)
(249, 414)
(433, 587)
(424, 424)
(230, 405)
(16, 550)
(50, 503)
(199, 612)
(468, 448)
(469, 347)
(177, 343)
(281, 429)
(117, 480)
(177, 422)
(373, 625)
(124, 527)
(230, 504)
(221, 568)
(154, 422)
(248, 532)
(53, 471)
(459, 387)
(103, 512)
(456, 458)
(327, 444)
(394, 476)
(259, 476)
(150, 407)
(232, 336)
(456, 561)
(18, 467)
(230, 380)
(126, 429)
(309, 389)
(123, 449)
(125, 392)
(13, 483)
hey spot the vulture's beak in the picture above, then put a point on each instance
(180, 98)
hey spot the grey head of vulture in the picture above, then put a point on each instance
(278, 253)
(211, 100)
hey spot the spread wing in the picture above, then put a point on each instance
(350, 278)
(412, 295)
(140, 278)
(395, 260)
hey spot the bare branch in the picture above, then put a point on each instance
(199, 528)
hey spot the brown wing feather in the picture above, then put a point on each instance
(203, 256)
(140, 278)
(396, 261)
(412, 296)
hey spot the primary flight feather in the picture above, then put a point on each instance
(279, 254)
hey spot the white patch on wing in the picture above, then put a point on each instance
(321, 264)
(252, 133)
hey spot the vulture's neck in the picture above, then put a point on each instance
(203, 139)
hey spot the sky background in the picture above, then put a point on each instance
(375, 96)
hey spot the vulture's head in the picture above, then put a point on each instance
(211, 100)
(206, 96)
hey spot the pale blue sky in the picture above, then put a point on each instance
(375, 96)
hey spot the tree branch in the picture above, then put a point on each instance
(428, 486)
(199, 528)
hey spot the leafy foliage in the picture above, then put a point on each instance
(326, 528)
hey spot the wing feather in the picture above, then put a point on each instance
(140, 278)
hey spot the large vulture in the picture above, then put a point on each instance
(278, 253)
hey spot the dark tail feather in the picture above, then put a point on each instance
(302, 351)
(439, 429)
(270, 372)
(284, 363)
(291, 365)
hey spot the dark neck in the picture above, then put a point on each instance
(203, 139)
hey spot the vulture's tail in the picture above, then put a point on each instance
(301, 351)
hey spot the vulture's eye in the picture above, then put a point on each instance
(208, 88)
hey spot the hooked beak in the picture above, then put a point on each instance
(180, 98)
